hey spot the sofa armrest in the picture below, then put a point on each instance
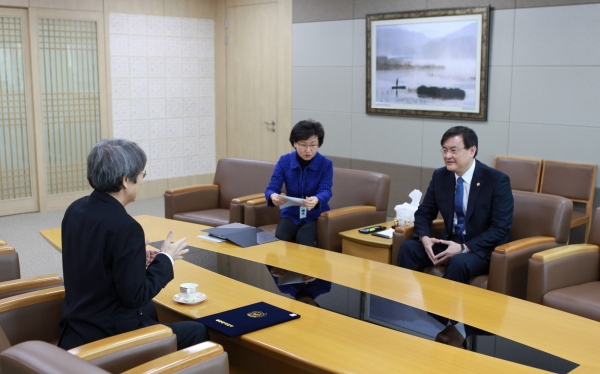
(509, 264)
(403, 233)
(347, 210)
(562, 267)
(125, 351)
(257, 213)
(331, 223)
(190, 199)
(193, 358)
(236, 207)
(19, 286)
(9, 264)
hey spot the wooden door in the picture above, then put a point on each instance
(254, 80)
(18, 184)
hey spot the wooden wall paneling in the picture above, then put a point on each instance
(15, 3)
(248, 2)
(220, 81)
(59, 196)
(88, 5)
(190, 8)
(19, 179)
(146, 7)
(284, 77)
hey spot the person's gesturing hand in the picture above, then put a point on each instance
(277, 272)
(175, 250)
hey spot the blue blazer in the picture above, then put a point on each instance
(489, 209)
(316, 180)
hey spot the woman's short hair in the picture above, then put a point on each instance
(305, 129)
(111, 160)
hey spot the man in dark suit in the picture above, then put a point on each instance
(109, 276)
(476, 204)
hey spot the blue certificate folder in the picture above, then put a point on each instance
(249, 318)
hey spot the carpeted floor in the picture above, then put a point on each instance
(36, 256)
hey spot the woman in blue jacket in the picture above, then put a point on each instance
(308, 175)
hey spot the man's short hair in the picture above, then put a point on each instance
(305, 129)
(468, 135)
(111, 160)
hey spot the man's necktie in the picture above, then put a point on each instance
(458, 208)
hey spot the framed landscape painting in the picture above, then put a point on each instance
(431, 63)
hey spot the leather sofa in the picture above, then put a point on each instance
(35, 357)
(568, 277)
(236, 181)
(359, 198)
(11, 282)
(36, 315)
(540, 222)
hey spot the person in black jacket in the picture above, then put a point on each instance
(110, 278)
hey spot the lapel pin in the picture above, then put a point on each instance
(478, 184)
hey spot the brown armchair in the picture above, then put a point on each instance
(568, 278)
(359, 199)
(10, 275)
(524, 173)
(540, 222)
(236, 181)
(36, 315)
(40, 357)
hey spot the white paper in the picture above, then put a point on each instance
(291, 201)
(211, 238)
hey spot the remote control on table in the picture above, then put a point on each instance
(371, 229)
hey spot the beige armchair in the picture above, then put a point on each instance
(540, 222)
(360, 198)
(236, 181)
(36, 315)
(40, 357)
(10, 275)
(568, 278)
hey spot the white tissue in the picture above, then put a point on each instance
(406, 212)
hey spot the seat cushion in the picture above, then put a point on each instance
(209, 217)
(583, 300)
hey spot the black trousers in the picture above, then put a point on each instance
(303, 233)
(188, 333)
(460, 268)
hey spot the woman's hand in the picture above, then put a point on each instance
(175, 250)
(278, 199)
(311, 202)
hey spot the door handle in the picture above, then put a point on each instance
(272, 123)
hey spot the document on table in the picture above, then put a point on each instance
(291, 201)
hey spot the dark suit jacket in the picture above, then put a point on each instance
(105, 275)
(489, 209)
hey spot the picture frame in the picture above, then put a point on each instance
(430, 63)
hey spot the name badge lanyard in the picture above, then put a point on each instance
(302, 208)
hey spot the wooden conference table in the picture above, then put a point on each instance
(322, 341)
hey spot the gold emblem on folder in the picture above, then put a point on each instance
(256, 314)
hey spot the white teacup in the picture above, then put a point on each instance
(188, 290)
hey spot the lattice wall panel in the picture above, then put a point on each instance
(15, 179)
(70, 101)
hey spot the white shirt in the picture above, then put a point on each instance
(467, 178)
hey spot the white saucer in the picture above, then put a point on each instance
(180, 298)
